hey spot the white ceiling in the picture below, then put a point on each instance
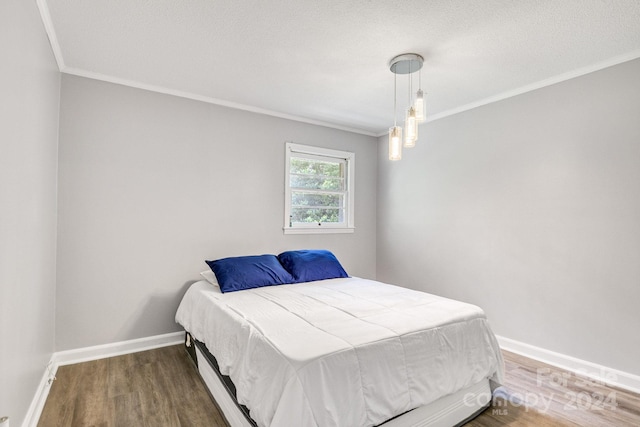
(326, 61)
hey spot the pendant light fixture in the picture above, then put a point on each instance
(407, 63)
(395, 132)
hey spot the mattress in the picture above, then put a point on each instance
(340, 352)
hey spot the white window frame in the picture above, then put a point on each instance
(347, 226)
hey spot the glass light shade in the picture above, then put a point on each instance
(411, 128)
(419, 106)
(395, 143)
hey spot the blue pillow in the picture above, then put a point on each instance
(246, 272)
(310, 265)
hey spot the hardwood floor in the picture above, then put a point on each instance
(161, 388)
(537, 394)
(152, 388)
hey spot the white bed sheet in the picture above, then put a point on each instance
(340, 352)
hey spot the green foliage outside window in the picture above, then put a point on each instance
(316, 190)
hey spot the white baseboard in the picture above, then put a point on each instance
(86, 354)
(37, 404)
(96, 352)
(600, 373)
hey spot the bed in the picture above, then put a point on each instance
(341, 351)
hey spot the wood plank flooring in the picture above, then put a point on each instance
(151, 388)
(538, 394)
(162, 388)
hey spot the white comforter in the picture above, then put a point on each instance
(340, 352)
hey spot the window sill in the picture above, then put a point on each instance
(318, 230)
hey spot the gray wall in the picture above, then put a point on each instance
(151, 185)
(530, 208)
(30, 94)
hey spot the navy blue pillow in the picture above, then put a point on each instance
(310, 265)
(246, 272)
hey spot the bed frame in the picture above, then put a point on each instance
(453, 410)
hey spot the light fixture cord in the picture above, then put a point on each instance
(411, 82)
(395, 100)
(410, 75)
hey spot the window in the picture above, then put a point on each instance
(318, 190)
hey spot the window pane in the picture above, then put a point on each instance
(317, 200)
(316, 215)
(319, 182)
(304, 166)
